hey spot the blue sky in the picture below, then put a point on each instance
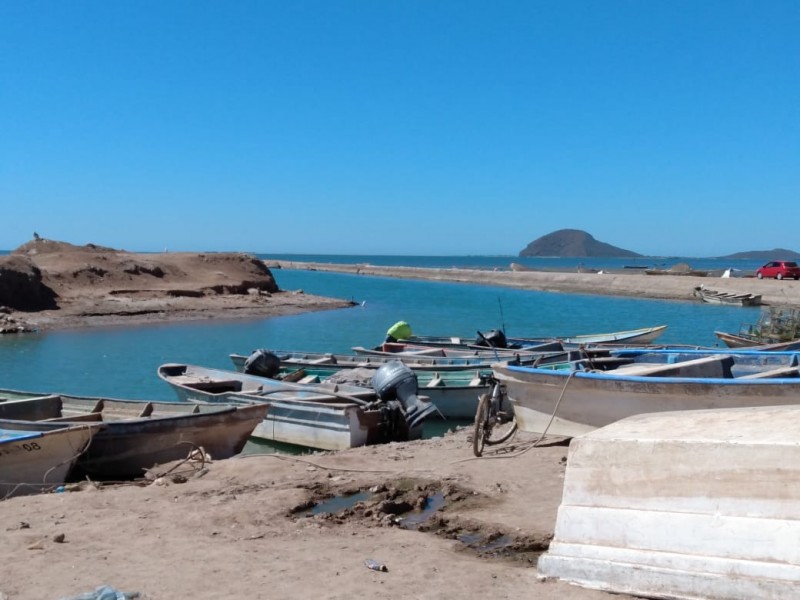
(401, 127)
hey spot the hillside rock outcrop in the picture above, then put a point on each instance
(21, 285)
(573, 243)
(47, 284)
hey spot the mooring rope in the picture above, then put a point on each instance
(555, 409)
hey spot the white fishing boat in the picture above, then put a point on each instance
(454, 392)
(497, 338)
(726, 298)
(33, 459)
(322, 416)
(683, 505)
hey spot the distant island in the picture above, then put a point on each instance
(574, 243)
(765, 255)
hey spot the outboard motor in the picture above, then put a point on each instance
(262, 363)
(493, 339)
(396, 381)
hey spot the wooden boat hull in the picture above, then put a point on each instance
(403, 351)
(731, 340)
(726, 298)
(33, 459)
(312, 416)
(701, 504)
(455, 393)
(320, 426)
(644, 335)
(571, 403)
(126, 443)
(415, 363)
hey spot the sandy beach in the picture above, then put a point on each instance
(235, 528)
(633, 284)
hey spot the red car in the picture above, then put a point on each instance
(779, 269)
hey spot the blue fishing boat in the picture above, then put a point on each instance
(572, 398)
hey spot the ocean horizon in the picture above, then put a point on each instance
(502, 261)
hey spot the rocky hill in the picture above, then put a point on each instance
(46, 283)
(765, 255)
(573, 243)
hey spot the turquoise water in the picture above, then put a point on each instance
(122, 361)
(501, 262)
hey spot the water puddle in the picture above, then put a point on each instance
(482, 544)
(336, 504)
(412, 520)
(470, 539)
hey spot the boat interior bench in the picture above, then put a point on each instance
(215, 387)
(791, 371)
(323, 360)
(607, 363)
(714, 366)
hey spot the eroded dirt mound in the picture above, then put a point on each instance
(63, 285)
(21, 285)
(75, 270)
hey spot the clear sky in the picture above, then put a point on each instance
(401, 127)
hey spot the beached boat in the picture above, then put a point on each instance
(135, 435)
(726, 298)
(455, 393)
(407, 350)
(35, 459)
(417, 363)
(734, 340)
(776, 324)
(323, 416)
(701, 504)
(497, 338)
(519, 267)
(574, 398)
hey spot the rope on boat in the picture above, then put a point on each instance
(555, 409)
(44, 486)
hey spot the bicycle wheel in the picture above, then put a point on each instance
(500, 430)
(481, 424)
(502, 422)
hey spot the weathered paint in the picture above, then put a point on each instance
(695, 504)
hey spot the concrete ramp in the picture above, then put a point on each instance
(696, 504)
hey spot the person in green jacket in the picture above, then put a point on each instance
(399, 331)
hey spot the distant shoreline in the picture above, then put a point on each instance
(633, 284)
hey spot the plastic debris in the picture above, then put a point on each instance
(106, 592)
(375, 565)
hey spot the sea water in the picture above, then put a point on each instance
(122, 361)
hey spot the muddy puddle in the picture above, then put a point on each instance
(425, 507)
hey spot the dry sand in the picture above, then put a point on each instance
(232, 533)
(618, 283)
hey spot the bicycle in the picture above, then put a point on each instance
(494, 420)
